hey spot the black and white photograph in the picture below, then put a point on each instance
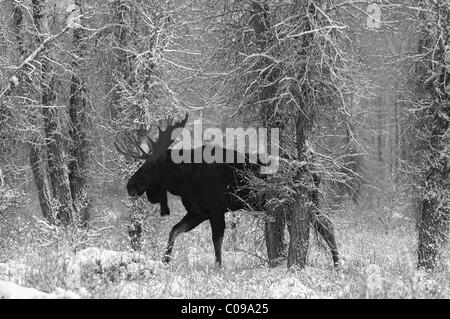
(224, 154)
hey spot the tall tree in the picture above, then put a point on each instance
(260, 22)
(303, 203)
(37, 151)
(289, 72)
(52, 115)
(78, 109)
(433, 124)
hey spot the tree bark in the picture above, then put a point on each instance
(124, 58)
(303, 202)
(274, 234)
(40, 180)
(274, 228)
(124, 69)
(17, 19)
(299, 232)
(56, 162)
(435, 80)
(435, 214)
(37, 153)
(302, 207)
(78, 167)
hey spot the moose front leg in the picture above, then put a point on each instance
(159, 196)
(163, 206)
(187, 223)
(218, 229)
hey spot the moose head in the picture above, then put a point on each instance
(149, 177)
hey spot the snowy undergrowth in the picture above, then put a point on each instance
(378, 262)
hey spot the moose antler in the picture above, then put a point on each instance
(129, 149)
(157, 148)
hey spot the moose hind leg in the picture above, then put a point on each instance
(218, 229)
(325, 228)
(187, 223)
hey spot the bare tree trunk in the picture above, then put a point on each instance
(435, 213)
(302, 208)
(274, 234)
(135, 233)
(122, 34)
(380, 122)
(435, 206)
(124, 58)
(79, 125)
(17, 20)
(303, 201)
(56, 162)
(396, 153)
(40, 180)
(299, 232)
(37, 153)
(274, 228)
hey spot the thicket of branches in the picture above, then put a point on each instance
(76, 75)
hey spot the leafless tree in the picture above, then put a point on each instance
(433, 119)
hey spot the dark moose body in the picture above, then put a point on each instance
(207, 191)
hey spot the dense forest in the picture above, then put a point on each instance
(357, 91)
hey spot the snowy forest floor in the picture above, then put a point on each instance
(377, 249)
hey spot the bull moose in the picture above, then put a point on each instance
(207, 190)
